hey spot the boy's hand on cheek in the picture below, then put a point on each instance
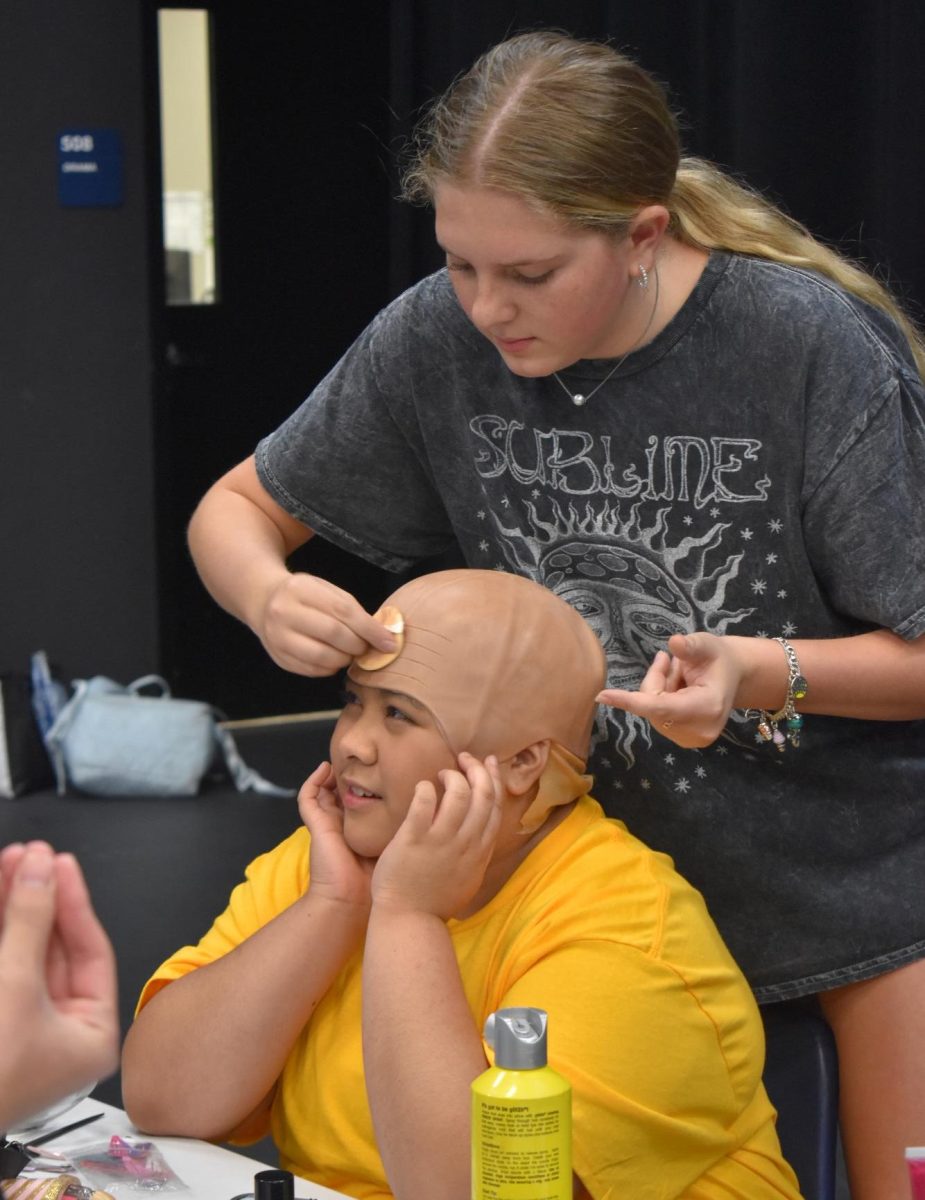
(437, 860)
(336, 872)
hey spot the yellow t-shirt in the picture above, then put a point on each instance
(649, 1019)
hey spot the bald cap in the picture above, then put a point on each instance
(500, 661)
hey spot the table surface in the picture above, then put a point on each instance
(209, 1172)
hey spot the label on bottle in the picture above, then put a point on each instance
(521, 1144)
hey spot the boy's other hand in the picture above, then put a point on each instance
(437, 860)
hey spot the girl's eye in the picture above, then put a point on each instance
(533, 280)
(516, 276)
(397, 714)
(347, 697)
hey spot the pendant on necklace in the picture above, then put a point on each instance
(579, 398)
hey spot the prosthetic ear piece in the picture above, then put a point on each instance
(373, 659)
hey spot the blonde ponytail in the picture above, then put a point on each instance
(712, 210)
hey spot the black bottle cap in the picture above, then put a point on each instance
(274, 1185)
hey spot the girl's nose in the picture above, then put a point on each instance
(492, 306)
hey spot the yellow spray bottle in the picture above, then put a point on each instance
(521, 1115)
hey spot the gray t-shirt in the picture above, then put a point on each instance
(757, 469)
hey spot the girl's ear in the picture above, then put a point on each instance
(648, 227)
(521, 771)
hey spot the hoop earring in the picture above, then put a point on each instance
(643, 278)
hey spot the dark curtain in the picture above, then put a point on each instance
(820, 104)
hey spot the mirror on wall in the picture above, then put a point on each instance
(184, 52)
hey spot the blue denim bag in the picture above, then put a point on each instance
(110, 740)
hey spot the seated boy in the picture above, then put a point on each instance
(452, 864)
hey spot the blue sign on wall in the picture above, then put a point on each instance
(89, 168)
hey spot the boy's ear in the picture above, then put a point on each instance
(521, 771)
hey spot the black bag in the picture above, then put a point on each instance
(24, 762)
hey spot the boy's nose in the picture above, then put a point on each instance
(357, 742)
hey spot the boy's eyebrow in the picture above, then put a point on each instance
(404, 697)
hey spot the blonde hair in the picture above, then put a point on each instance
(581, 131)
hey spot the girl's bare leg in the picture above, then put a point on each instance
(879, 1027)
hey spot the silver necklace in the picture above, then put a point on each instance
(579, 398)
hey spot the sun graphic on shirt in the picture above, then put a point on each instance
(632, 583)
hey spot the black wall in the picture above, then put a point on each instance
(77, 521)
(115, 414)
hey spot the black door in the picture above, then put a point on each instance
(302, 202)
